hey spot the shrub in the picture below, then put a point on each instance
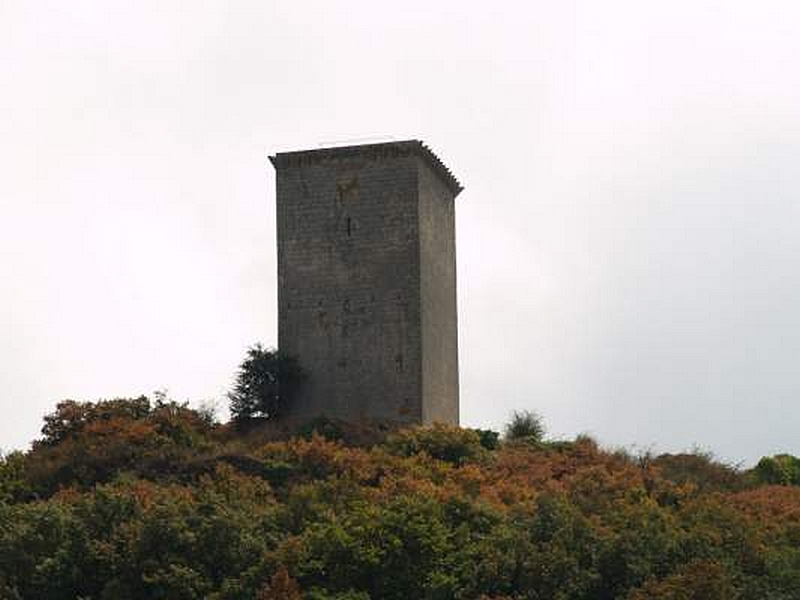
(13, 483)
(700, 470)
(489, 439)
(388, 550)
(70, 417)
(329, 429)
(85, 443)
(281, 587)
(700, 580)
(443, 442)
(525, 425)
(782, 469)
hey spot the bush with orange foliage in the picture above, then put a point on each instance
(131, 499)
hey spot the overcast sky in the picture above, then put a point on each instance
(628, 239)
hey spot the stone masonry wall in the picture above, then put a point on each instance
(366, 283)
(438, 299)
(348, 271)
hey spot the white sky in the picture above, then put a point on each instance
(629, 236)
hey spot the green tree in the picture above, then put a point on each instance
(264, 384)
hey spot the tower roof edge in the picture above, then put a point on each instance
(371, 151)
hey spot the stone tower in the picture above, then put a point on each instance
(367, 281)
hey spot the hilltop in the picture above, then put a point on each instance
(134, 498)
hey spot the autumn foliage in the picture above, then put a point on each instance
(134, 499)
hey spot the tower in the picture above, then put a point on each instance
(367, 281)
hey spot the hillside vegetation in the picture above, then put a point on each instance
(134, 499)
